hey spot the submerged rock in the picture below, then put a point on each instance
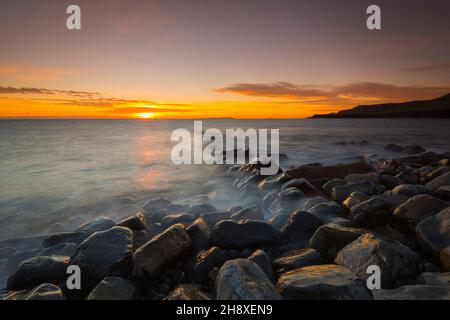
(198, 209)
(243, 234)
(153, 205)
(114, 288)
(242, 279)
(35, 271)
(161, 252)
(324, 282)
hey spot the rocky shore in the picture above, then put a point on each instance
(306, 233)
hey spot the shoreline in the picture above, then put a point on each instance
(309, 225)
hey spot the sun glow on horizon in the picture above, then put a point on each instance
(146, 115)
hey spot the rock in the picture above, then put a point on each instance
(242, 279)
(416, 292)
(307, 203)
(286, 201)
(161, 252)
(153, 205)
(178, 218)
(301, 184)
(251, 212)
(269, 198)
(434, 279)
(205, 261)
(243, 234)
(103, 254)
(135, 223)
(398, 263)
(13, 295)
(299, 228)
(35, 271)
(323, 282)
(327, 212)
(46, 291)
(297, 258)
(443, 193)
(436, 183)
(328, 187)
(198, 209)
(340, 193)
(417, 208)
(279, 220)
(97, 224)
(214, 217)
(362, 177)
(65, 237)
(61, 249)
(393, 147)
(370, 213)
(390, 182)
(140, 237)
(187, 292)
(200, 233)
(410, 190)
(436, 173)
(331, 238)
(262, 259)
(312, 172)
(354, 199)
(445, 257)
(408, 177)
(413, 149)
(434, 232)
(156, 216)
(422, 159)
(114, 288)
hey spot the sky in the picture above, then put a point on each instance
(218, 59)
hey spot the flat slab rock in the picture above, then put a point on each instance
(324, 282)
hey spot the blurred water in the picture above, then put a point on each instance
(56, 174)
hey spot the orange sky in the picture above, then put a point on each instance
(217, 59)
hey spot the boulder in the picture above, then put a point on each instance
(434, 232)
(413, 149)
(299, 228)
(390, 182)
(370, 213)
(298, 258)
(38, 270)
(413, 292)
(243, 234)
(323, 282)
(177, 218)
(443, 193)
(444, 256)
(200, 233)
(153, 205)
(242, 279)
(408, 177)
(251, 212)
(312, 172)
(161, 252)
(205, 261)
(409, 190)
(136, 222)
(328, 186)
(436, 173)
(114, 288)
(97, 224)
(340, 193)
(362, 177)
(327, 212)
(307, 203)
(187, 292)
(393, 147)
(331, 238)
(301, 184)
(61, 249)
(417, 208)
(214, 217)
(398, 263)
(65, 237)
(434, 279)
(354, 199)
(436, 183)
(45, 291)
(197, 209)
(262, 259)
(102, 254)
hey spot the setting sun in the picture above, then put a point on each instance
(146, 115)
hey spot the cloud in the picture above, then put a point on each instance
(444, 66)
(13, 90)
(348, 93)
(130, 110)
